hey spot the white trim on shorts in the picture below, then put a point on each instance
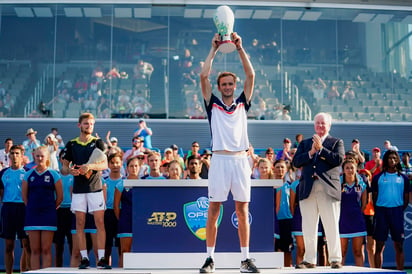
(88, 202)
(229, 173)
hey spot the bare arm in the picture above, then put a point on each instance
(108, 139)
(207, 67)
(116, 203)
(59, 192)
(247, 66)
(24, 189)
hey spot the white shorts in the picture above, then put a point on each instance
(88, 202)
(229, 173)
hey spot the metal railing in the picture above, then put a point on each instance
(38, 92)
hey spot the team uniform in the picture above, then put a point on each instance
(64, 214)
(297, 217)
(13, 211)
(390, 188)
(352, 222)
(110, 220)
(228, 125)
(41, 211)
(124, 228)
(87, 191)
(284, 217)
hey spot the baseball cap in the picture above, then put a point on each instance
(355, 141)
(140, 154)
(174, 147)
(207, 152)
(376, 149)
(286, 140)
(114, 139)
(168, 150)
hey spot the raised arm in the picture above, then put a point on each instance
(247, 66)
(207, 67)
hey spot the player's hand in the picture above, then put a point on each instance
(237, 40)
(317, 142)
(84, 169)
(74, 171)
(215, 41)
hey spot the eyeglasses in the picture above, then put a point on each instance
(195, 146)
(140, 158)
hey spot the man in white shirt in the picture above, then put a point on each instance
(4, 153)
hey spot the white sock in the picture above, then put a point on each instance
(100, 253)
(83, 254)
(245, 252)
(211, 252)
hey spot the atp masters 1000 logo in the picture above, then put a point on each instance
(164, 219)
(196, 216)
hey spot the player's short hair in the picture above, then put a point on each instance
(85, 115)
(224, 74)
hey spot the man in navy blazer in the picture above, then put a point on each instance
(320, 190)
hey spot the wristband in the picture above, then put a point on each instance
(239, 48)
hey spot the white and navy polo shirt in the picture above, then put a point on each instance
(228, 124)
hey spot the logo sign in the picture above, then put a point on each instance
(196, 216)
(235, 222)
(408, 222)
(164, 219)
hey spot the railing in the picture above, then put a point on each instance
(300, 106)
(39, 90)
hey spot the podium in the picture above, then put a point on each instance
(169, 220)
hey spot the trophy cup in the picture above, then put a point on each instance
(224, 20)
(96, 157)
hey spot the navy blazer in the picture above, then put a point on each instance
(325, 164)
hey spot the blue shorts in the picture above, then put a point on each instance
(389, 219)
(110, 225)
(12, 221)
(64, 225)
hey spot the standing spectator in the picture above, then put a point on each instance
(144, 167)
(142, 71)
(13, 210)
(406, 165)
(369, 213)
(270, 154)
(31, 143)
(229, 167)
(333, 93)
(285, 153)
(265, 169)
(64, 220)
(52, 145)
(194, 108)
(361, 155)
(390, 190)
(348, 93)
(5, 153)
(205, 159)
(154, 163)
(122, 206)
(375, 165)
(176, 155)
(42, 193)
(115, 177)
(194, 167)
(194, 151)
(175, 170)
(388, 146)
(298, 138)
(145, 132)
(283, 214)
(320, 190)
(137, 147)
(318, 89)
(351, 222)
(59, 138)
(87, 187)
